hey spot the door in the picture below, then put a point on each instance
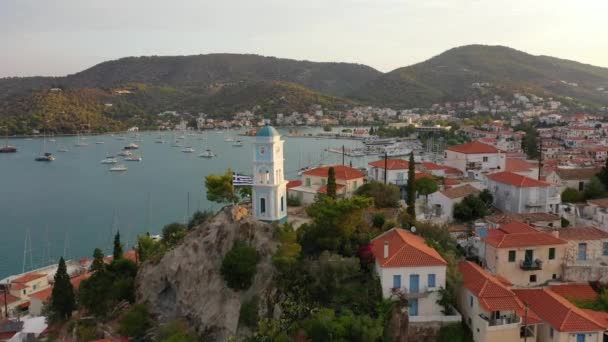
(413, 308)
(582, 251)
(396, 281)
(580, 337)
(414, 283)
(529, 257)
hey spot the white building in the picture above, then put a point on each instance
(441, 203)
(519, 194)
(404, 262)
(269, 195)
(394, 169)
(475, 158)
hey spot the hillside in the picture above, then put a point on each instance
(449, 76)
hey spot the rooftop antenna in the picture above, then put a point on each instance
(66, 245)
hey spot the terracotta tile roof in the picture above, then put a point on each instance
(582, 233)
(28, 277)
(432, 166)
(517, 180)
(342, 172)
(323, 188)
(391, 164)
(405, 250)
(491, 292)
(474, 147)
(451, 181)
(558, 312)
(419, 175)
(576, 174)
(293, 183)
(517, 234)
(518, 165)
(9, 299)
(524, 217)
(18, 286)
(598, 316)
(43, 295)
(582, 291)
(460, 191)
(600, 202)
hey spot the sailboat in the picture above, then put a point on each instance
(45, 156)
(7, 148)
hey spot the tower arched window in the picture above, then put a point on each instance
(267, 177)
(262, 206)
(282, 204)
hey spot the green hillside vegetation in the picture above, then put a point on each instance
(449, 76)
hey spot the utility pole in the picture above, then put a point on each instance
(540, 156)
(385, 166)
(343, 152)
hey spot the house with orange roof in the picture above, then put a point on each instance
(38, 299)
(314, 181)
(491, 309)
(520, 194)
(441, 203)
(522, 254)
(522, 167)
(475, 158)
(29, 283)
(562, 321)
(405, 263)
(395, 171)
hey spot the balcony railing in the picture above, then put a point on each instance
(509, 319)
(531, 265)
(421, 293)
(400, 181)
(474, 166)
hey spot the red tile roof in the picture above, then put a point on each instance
(447, 169)
(391, 164)
(474, 147)
(600, 202)
(558, 312)
(405, 250)
(517, 180)
(491, 292)
(460, 191)
(598, 316)
(576, 292)
(9, 299)
(517, 234)
(28, 277)
(43, 295)
(582, 233)
(294, 183)
(518, 165)
(342, 172)
(419, 175)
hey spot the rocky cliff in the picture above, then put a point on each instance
(187, 283)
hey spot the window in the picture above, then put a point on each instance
(533, 278)
(307, 181)
(267, 177)
(551, 332)
(323, 181)
(552, 253)
(605, 248)
(485, 159)
(581, 186)
(282, 204)
(512, 255)
(431, 280)
(471, 301)
(396, 281)
(355, 185)
(554, 276)
(582, 251)
(262, 205)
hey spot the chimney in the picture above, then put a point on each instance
(555, 233)
(385, 249)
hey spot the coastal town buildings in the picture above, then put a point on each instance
(314, 181)
(475, 159)
(520, 194)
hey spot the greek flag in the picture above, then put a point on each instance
(240, 180)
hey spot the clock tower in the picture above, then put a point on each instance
(269, 195)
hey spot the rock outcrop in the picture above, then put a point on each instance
(187, 283)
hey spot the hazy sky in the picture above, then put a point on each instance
(58, 37)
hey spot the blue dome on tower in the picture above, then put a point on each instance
(267, 131)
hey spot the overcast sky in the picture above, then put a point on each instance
(58, 37)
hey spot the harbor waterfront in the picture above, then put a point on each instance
(74, 203)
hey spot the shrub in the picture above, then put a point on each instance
(293, 201)
(173, 233)
(572, 196)
(249, 312)
(135, 322)
(176, 331)
(199, 217)
(454, 332)
(239, 266)
(384, 195)
(378, 220)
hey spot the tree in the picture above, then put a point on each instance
(136, 322)
(411, 189)
(239, 266)
(371, 130)
(603, 174)
(486, 197)
(118, 251)
(220, 189)
(570, 195)
(98, 265)
(384, 195)
(173, 233)
(331, 182)
(426, 186)
(289, 250)
(199, 217)
(594, 189)
(62, 301)
(529, 143)
(470, 208)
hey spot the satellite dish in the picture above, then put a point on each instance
(413, 229)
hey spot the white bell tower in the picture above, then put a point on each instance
(269, 195)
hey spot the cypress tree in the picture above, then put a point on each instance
(331, 183)
(117, 247)
(62, 297)
(98, 265)
(411, 189)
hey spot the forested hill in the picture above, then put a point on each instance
(449, 76)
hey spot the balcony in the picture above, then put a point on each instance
(474, 166)
(531, 265)
(505, 320)
(400, 181)
(421, 293)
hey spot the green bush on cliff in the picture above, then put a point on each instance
(239, 266)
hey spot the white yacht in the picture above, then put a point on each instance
(118, 168)
(133, 158)
(228, 139)
(125, 153)
(188, 150)
(237, 143)
(109, 160)
(207, 154)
